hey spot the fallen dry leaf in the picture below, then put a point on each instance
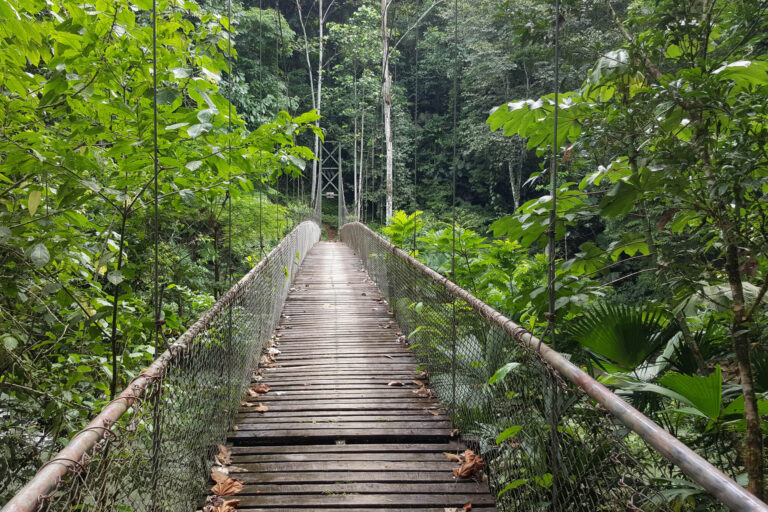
(390, 357)
(433, 413)
(454, 432)
(224, 457)
(219, 475)
(212, 503)
(467, 506)
(261, 388)
(453, 457)
(228, 506)
(418, 383)
(473, 465)
(228, 487)
(252, 393)
(261, 408)
(236, 469)
(395, 383)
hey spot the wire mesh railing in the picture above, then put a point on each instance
(152, 448)
(553, 438)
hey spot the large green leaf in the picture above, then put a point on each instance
(623, 334)
(703, 393)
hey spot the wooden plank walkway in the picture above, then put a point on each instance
(336, 435)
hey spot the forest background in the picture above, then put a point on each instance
(662, 227)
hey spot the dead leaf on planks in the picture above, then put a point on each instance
(261, 388)
(396, 383)
(387, 356)
(467, 506)
(472, 466)
(228, 506)
(228, 487)
(219, 475)
(433, 413)
(252, 405)
(453, 457)
(224, 457)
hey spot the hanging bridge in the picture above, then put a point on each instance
(347, 375)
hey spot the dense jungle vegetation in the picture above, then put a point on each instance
(661, 253)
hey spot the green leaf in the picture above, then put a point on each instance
(39, 255)
(10, 343)
(115, 277)
(194, 165)
(619, 200)
(83, 369)
(703, 393)
(508, 433)
(623, 334)
(167, 96)
(34, 201)
(502, 372)
(196, 130)
(512, 485)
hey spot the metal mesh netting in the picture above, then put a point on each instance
(548, 446)
(157, 456)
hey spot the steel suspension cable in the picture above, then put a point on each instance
(155, 398)
(156, 241)
(229, 142)
(278, 33)
(553, 190)
(453, 195)
(261, 161)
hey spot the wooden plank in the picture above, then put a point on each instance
(331, 477)
(368, 488)
(449, 446)
(291, 467)
(320, 457)
(357, 500)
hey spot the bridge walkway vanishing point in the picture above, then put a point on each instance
(345, 425)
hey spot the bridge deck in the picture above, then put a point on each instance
(336, 434)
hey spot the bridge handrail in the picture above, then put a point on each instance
(693, 465)
(75, 455)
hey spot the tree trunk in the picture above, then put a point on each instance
(358, 205)
(753, 448)
(386, 94)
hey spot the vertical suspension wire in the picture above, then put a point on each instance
(261, 161)
(551, 323)
(229, 148)
(230, 260)
(278, 32)
(155, 395)
(554, 412)
(156, 241)
(453, 198)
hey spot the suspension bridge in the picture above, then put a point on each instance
(348, 375)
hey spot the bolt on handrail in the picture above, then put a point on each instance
(693, 465)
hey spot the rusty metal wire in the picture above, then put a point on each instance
(157, 453)
(553, 438)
